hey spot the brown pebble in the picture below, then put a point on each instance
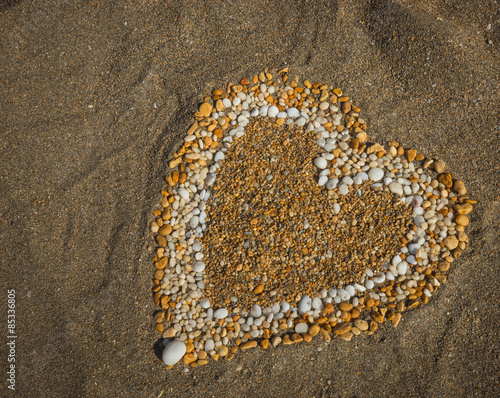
(462, 220)
(443, 266)
(165, 230)
(463, 208)
(205, 109)
(345, 106)
(397, 318)
(446, 180)
(248, 345)
(361, 324)
(411, 154)
(259, 289)
(459, 187)
(345, 306)
(160, 264)
(377, 316)
(439, 166)
(342, 328)
(314, 330)
(346, 336)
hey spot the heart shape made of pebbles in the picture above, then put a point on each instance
(280, 222)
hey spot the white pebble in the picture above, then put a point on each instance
(173, 352)
(320, 163)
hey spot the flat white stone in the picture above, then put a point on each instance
(293, 112)
(183, 193)
(301, 327)
(396, 188)
(205, 303)
(347, 180)
(350, 290)
(332, 183)
(173, 352)
(273, 111)
(304, 304)
(209, 345)
(402, 268)
(256, 311)
(342, 293)
(320, 163)
(322, 180)
(300, 121)
(194, 221)
(376, 174)
(198, 266)
(221, 313)
(317, 303)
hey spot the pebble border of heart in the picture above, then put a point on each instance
(196, 330)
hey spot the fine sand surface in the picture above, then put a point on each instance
(84, 149)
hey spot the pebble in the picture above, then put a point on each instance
(221, 313)
(173, 352)
(376, 174)
(321, 163)
(396, 188)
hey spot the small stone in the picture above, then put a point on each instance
(361, 137)
(346, 336)
(164, 302)
(301, 327)
(438, 166)
(375, 174)
(451, 242)
(188, 358)
(259, 289)
(443, 266)
(361, 324)
(377, 316)
(462, 220)
(173, 352)
(413, 304)
(345, 306)
(215, 357)
(397, 318)
(165, 230)
(459, 187)
(162, 263)
(345, 106)
(221, 313)
(411, 154)
(205, 109)
(321, 163)
(396, 188)
(342, 328)
(446, 179)
(222, 351)
(463, 208)
(313, 330)
(248, 344)
(304, 304)
(276, 341)
(286, 340)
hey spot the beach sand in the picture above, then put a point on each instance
(95, 98)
